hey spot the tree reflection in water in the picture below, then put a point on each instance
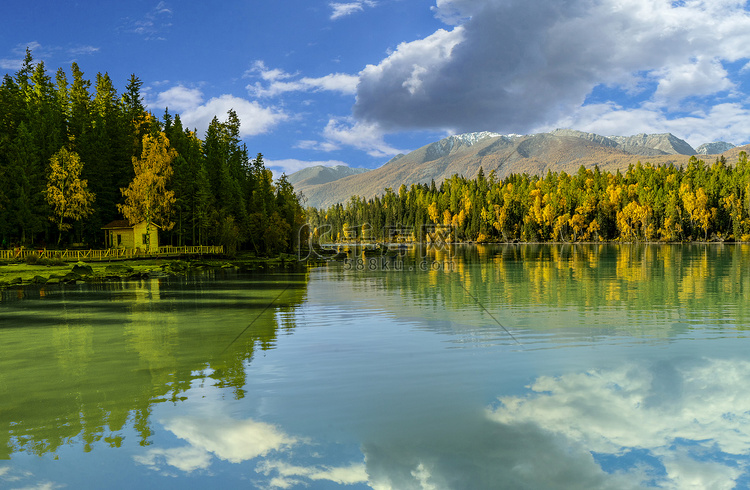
(81, 362)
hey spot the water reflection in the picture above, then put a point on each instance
(208, 437)
(638, 290)
(675, 423)
(83, 362)
(679, 423)
(392, 379)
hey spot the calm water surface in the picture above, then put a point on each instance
(521, 366)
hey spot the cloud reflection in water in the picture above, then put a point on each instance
(689, 416)
(237, 441)
(668, 424)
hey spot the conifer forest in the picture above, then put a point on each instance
(76, 155)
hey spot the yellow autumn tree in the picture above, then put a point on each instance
(733, 205)
(147, 197)
(578, 223)
(66, 193)
(696, 205)
(433, 212)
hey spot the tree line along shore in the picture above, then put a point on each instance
(698, 202)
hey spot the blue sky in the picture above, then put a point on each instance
(357, 81)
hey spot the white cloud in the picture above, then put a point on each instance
(348, 8)
(368, 137)
(268, 74)
(317, 145)
(83, 50)
(344, 9)
(180, 98)
(702, 77)
(195, 113)
(11, 64)
(723, 122)
(683, 471)
(279, 82)
(512, 66)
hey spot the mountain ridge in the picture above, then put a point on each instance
(321, 174)
(558, 150)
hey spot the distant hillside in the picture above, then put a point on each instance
(560, 150)
(716, 148)
(320, 174)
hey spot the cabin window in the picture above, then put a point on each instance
(145, 239)
(119, 239)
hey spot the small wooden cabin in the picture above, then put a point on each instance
(121, 234)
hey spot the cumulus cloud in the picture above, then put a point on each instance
(280, 82)
(699, 78)
(180, 98)
(197, 113)
(722, 122)
(368, 137)
(514, 65)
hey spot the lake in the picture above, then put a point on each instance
(470, 367)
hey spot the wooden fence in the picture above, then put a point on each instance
(110, 253)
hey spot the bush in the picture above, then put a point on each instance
(32, 259)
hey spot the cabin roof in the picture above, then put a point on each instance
(118, 223)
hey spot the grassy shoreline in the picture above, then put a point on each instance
(14, 274)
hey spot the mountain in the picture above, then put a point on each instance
(715, 148)
(320, 174)
(559, 150)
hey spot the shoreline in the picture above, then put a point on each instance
(21, 274)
